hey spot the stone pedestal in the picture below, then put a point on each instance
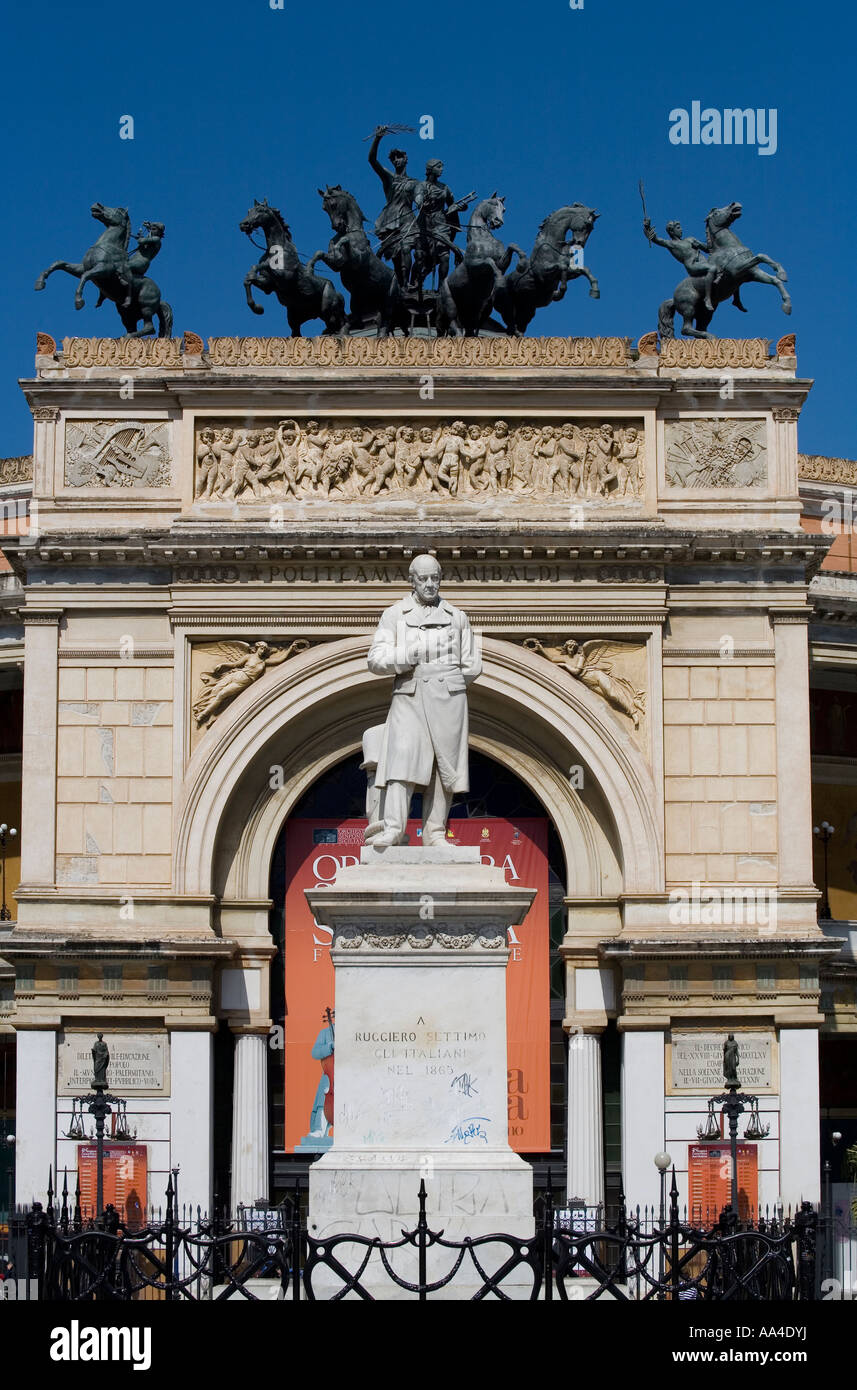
(420, 1089)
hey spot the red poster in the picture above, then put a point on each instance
(125, 1180)
(710, 1181)
(315, 849)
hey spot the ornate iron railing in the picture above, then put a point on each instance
(257, 1255)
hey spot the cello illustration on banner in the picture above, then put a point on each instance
(321, 1116)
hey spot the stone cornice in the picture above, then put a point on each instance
(693, 946)
(645, 546)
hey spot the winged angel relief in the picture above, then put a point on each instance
(590, 662)
(242, 664)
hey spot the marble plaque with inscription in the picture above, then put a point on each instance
(138, 1063)
(697, 1061)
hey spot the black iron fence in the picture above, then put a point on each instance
(269, 1254)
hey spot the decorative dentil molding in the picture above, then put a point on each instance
(715, 453)
(587, 460)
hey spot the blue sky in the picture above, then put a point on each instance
(547, 104)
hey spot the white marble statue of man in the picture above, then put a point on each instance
(430, 649)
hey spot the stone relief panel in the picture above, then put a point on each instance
(716, 453)
(615, 671)
(117, 453)
(588, 460)
(220, 671)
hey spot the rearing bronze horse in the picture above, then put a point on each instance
(108, 266)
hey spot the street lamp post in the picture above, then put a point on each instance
(824, 833)
(734, 1106)
(8, 835)
(662, 1162)
(99, 1103)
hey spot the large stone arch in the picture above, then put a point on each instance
(310, 713)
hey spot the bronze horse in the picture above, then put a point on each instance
(542, 277)
(108, 266)
(305, 296)
(736, 265)
(372, 285)
(468, 293)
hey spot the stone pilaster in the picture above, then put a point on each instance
(39, 757)
(794, 780)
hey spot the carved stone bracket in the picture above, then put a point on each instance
(786, 414)
(45, 414)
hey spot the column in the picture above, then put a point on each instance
(35, 1115)
(585, 1119)
(191, 1071)
(642, 1115)
(250, 1120)
(799, 1116)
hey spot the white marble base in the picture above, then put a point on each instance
(420, 956)
(377, 1196)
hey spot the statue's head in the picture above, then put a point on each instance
(312, 426)
(567, 431)
(607, 430)
(570, 647)
(631, 433)
(426, 434)
(399, 160)
(674, 230)
(425, 575)
(227, 434)
(434, 169)
(474, 431)
(458, 427)
(501, 428)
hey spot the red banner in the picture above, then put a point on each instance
(315, 849)
(125, 1179)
